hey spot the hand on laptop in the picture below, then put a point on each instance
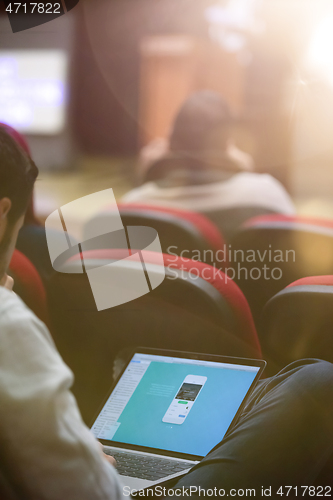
(7, 282)
(110, 459)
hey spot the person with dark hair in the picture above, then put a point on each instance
(46, 450)
(284, 436)
(18, 174)
(30, 216)
(199, 168)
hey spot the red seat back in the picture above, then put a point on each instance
(297, 322)
(181, 232)
(207, 228)
(290, 247)
(227, 288)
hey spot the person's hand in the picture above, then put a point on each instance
(110, 459)
(7, 282)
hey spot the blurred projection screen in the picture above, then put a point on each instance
(33, 90)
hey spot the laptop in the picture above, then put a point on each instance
(168, 409)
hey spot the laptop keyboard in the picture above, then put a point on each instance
(144, 467)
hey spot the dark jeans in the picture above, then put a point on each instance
(283, 438)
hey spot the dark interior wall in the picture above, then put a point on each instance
(106, 86)
(101, 124)
(108, 68)
(106, 74)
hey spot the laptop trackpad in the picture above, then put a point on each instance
(135, 483)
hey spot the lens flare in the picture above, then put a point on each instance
(320, 55)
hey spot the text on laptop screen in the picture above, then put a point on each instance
(175, 404)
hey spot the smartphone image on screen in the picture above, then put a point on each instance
(182, 403)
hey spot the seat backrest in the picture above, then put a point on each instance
(32, 243)
(179, 230)
(276, 250)
(229, 220)
(28, 285)
(297, 322)
(196, 308)
(30, 216)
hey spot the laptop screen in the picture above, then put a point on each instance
(175, 404)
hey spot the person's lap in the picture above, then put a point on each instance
(283, 438)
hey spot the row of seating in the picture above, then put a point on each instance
(198, 307)
(295, 247)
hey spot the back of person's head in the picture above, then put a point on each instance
(30, 217)
(17, 175)
(202, 123)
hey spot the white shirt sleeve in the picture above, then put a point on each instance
(47, 452)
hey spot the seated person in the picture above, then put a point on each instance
(284, 435)
(31, 239)
(201, 169)
(30, 218)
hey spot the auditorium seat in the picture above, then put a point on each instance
(298, 322)
(196, 308)
(290, 247)
(32, 243)
(28, 285)
(180, 231)
(229, 220)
